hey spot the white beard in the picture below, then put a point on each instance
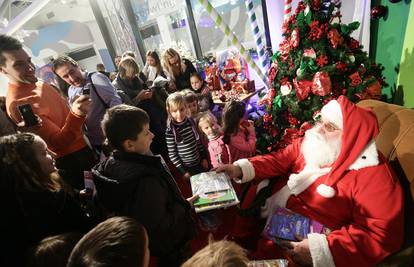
(318, 151)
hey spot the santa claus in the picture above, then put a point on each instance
(336, 176)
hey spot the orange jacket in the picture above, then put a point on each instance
(61, 129)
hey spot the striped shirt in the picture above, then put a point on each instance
(184, 145)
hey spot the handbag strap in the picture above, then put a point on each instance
(96, 91)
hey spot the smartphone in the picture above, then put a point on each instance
(29, 117)
(86, 91)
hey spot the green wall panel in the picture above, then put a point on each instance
(406, 75)
(389, 41)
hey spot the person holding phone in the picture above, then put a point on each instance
(136, 93)
(97, 86)
(60, 124)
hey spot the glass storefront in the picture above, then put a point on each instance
(163, 24)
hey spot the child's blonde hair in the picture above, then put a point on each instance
(209, 118)
(174, 100)
(219, 254)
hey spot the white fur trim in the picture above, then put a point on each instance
(278, 199)
(247, 170)
(333, 113)
(326, 191)
(320, 252)
(368, 157)
(299, 182)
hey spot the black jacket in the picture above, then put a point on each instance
(141, 187)
(155, 107)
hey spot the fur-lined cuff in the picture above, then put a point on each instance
(319, 249)
(247, 170)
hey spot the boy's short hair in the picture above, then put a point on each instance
(53, 250)
(118, 241)
(123, 122)
(62, 61)
(219, 254)
(189, 96)
(8, 43)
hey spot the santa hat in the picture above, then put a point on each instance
(332, 112)
(359, 127)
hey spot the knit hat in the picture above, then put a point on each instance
(359, 127)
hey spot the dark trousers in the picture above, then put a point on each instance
(71, 166)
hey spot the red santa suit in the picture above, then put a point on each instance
(358, 197)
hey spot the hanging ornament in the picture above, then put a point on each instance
(378, 12)
(302, 88)
(294, 38)
(321, 84)
(286, 88)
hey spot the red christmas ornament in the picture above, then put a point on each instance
(316, 4)
(292, 120)
(340, 66)
(355, 79)
(302, 88)
(317, 31)
(294, 38)
(322, 60)
(378, 12)
(335, 38)
(321, 84)
(309, 53)
(305, 126)
(374, 90)
(273, 72)
(353, 44)
(300, 8)
(284, 48)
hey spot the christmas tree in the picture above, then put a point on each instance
(317, 61)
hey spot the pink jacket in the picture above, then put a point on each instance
(242, 144)
(219, 152)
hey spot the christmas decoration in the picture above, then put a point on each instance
(378, 12)
(230, 35)
(317, 61)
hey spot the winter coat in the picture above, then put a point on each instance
(141, 187)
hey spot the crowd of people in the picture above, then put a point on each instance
(140, 134)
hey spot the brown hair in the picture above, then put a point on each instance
(8, 43)
(154, 55)
(63, 60)
(233, 112)
(19, 168)
(123, 122)
(118, 241)
(219, 254)
(53, 251)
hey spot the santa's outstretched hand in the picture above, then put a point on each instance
(298, 251)
(233, 171)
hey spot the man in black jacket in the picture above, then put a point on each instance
(133, 183)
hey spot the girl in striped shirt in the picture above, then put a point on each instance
(183, 141)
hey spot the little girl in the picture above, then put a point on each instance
(239, 134)
(218, 150)
(183, 141)
(199, 86)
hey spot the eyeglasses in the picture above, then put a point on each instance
(328, 126)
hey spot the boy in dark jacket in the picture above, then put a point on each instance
(132, 182)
